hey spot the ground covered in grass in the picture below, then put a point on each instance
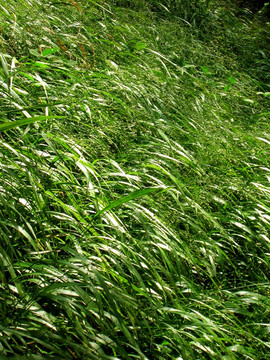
(134, 191)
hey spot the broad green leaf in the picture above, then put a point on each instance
(140, 45)
(125, 199)
(49, 51)
(13, 124)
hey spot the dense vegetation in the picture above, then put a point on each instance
(135, 199)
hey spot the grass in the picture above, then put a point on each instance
(134, 181)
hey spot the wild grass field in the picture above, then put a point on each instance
(134, 191)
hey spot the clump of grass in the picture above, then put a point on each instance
(134, 187)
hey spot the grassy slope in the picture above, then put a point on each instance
(137, 225)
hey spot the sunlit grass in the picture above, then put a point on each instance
(134, 183)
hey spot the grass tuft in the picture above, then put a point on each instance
(134, 192)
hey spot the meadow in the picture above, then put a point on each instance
(134, 180)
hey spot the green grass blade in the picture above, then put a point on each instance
(19, 123)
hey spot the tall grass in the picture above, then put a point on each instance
(134, 185)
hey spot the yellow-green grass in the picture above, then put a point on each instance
(134, 181)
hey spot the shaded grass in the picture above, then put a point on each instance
(136, 226)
